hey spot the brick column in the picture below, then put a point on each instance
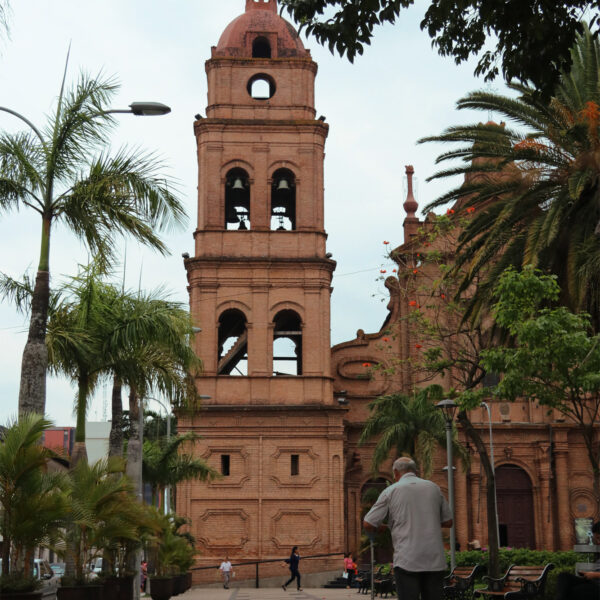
(476, 508)
(546, 516)
(565, 525)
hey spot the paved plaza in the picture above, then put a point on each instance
(271, 594)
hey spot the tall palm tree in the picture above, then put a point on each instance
(408, 424)
(64, 173)
(532, 186)
(165, 465)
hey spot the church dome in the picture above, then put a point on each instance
(260, 33)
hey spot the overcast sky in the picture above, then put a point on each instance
(377, 109)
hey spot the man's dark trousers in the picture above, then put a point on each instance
(424, 585)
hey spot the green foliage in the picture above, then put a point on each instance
(172, 550)
(461, 30)
(101, 505)
(64, 173)
(532, 183)
(166, 464)
(32, 506)
(408, 424)
(16, 583)
(555, 359)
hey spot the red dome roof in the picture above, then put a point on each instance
(260, 19)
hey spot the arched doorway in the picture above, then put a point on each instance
(515, 507)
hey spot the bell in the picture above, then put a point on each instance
(283, 186)
(231, 215)
(242, 226)
(238, 185)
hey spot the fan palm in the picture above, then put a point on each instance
(531, 193)
(409, 425)
(65, 175)
(165, 465)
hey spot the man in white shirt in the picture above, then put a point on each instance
(227, 571)
(416, 511)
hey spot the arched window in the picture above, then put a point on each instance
(287, 343)
(261, 48)
(233, 343)
(283, 201)
(237, 200)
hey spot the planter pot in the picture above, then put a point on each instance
(36, 595)
(179, 582)
(79, 592)
(161, 588)
(188, 582)
(124, 588)
(111, 588)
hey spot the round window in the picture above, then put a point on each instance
(261, 86)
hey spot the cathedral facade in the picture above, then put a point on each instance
(285, 409)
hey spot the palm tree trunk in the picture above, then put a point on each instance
(6, 543)
(115, 444)
(134, 471)
(490, 489)
(32, 389)
(79, 449)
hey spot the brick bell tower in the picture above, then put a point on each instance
(260, 285)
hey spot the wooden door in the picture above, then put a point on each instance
(515, 507)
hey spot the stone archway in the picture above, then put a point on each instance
(515, 507)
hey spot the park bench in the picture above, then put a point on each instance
(460, 583)
(520, 582)
(384, 584)
(363, 580)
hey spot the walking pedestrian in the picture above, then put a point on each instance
(348, 569)
(143, 576)
(293, 561)
(416, 511)
(227, 571)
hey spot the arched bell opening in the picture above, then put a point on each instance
(287, 343)
(233, 343)
(261, 48)
(237, 200)
(283, 201)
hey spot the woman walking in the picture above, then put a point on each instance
(348, 569)
(293, 561)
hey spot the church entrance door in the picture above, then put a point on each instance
(515, 507)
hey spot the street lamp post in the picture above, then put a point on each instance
(489, 412)
(448, 408)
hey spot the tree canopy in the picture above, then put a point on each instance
(555, 360)
(531, 184)
(527, 40)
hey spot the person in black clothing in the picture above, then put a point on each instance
(293, 561)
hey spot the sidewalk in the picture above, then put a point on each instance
(271, 594)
